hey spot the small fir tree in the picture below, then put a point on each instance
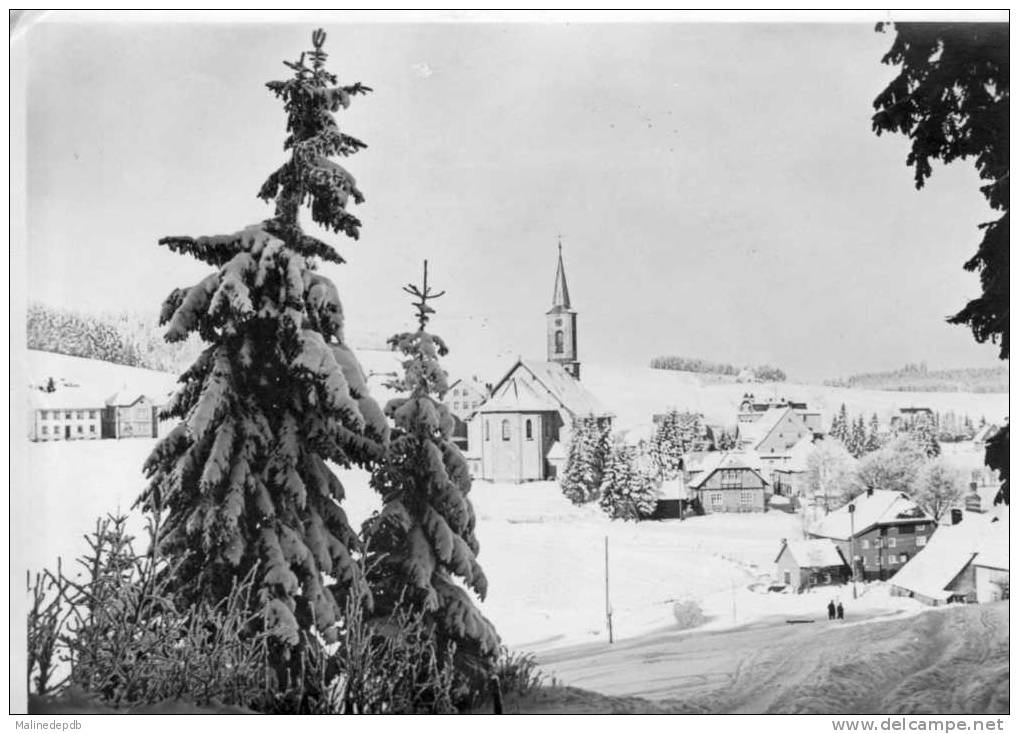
(242, 481)
(856, 442)
(628, 492)
(924, 434)
(873, 435)
(668, 445)
(586, 459)
(840, 425)
(421, 546)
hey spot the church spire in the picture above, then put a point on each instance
(562, 323)
(560, 294)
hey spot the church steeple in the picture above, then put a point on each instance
(560, 294)
(562, 323)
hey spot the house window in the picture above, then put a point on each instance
(903, 557)
(559, 341)
(45, 430)
(67, 415)
(716, 499)
(456, 405)
(92, 414)
(527, 430)
(79, 415)
(746, 498)
(893, 560)
(43, 414)
(92, 429)
(505, 430)
(921, 541)
(865, 544)
(81, 429)
(891, 543)
(730, 479)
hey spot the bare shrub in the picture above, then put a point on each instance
(688, 614)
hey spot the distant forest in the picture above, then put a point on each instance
(763, 373)
(121, 338)
(918, 378)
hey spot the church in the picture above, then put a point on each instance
(522, 432)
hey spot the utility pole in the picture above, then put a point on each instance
(852, 544)
(608, 604)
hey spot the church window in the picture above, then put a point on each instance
(505, 430)
(559, 341)
(527, 430)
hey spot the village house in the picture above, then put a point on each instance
(521, 433)
(789, 475)
(964, 562)
(774, 435)
(70, 414)
(884, 530)
(729, 482)
(751, 409)
(130, 415)
(802, 564)
(909, 416)
(462, 398)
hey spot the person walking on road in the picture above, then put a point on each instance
(831, 610)
(840, 613)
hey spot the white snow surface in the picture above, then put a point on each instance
(544, 558)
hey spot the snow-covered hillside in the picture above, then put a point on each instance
(636, 393)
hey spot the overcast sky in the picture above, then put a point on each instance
(718, 188)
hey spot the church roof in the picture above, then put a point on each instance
(560, 293)
(561, 391)
(519, 396)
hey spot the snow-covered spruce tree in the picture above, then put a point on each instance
(627, 492)
(676, 435)
(873, 435)
(585, 460)
(421, 545)
(242, 480)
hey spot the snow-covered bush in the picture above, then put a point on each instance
(116, 637)
(688, 614)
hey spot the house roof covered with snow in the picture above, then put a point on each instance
(718, 460)
(978, 539)
(126, 398)
(816, 553)
(882, 507)
(755, 432)
(70, 398)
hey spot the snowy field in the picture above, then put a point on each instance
(543, 556)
